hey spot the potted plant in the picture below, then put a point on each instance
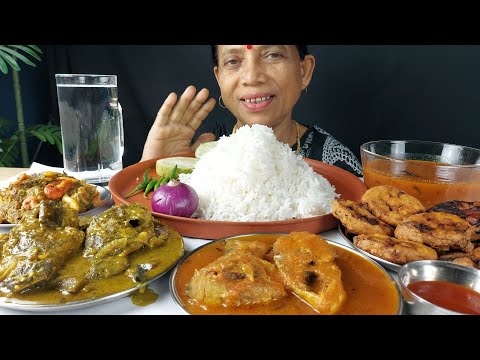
(14, 145)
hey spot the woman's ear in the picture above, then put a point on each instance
(308, 64)
(215, 71)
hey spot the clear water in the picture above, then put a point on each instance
(92, 131)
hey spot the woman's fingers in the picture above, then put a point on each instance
(201, 114)
(190, 109)
(163, 114)
(196, 104)
(177, 115)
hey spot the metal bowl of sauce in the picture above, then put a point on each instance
(434, 287)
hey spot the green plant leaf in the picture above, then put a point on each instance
(3, 66)
(47, 133)
(58, 142)
(10, 60)
(36, 48)
(39, 135)
(27, 50)
(18, 55)
(10, 151)
(50, 138)
(5, 126)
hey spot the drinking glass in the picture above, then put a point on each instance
(92, 126)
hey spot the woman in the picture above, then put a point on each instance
(259, 84)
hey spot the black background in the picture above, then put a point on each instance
(358, 92)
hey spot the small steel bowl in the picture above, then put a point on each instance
(434, 270)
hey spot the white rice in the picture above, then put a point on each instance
(250, 176)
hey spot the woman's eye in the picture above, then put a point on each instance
(231, 62)
(274, 55)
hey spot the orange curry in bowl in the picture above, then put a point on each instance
(430, 182)
(368, 288)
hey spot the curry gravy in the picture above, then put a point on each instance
(427, 181)
(369, 289)
(166, 255)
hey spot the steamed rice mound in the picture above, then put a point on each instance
(250, 176)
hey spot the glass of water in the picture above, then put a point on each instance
(92, 126)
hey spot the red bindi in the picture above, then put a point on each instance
(249, 47)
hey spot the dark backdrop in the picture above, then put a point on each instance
(358, 93)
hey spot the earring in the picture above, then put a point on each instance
(220, 102)
(306, 89)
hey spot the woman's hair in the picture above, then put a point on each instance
(302, 51)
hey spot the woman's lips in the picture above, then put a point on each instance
(252, 105)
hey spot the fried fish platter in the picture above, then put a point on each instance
(388, 220)
(28, 191)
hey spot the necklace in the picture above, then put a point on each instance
(236, 127)
(298, 138)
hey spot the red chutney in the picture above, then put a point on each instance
(430, 182)
(448, 295)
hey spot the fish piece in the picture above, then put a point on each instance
(236, 279)
(390, 204)
(357, 219)
(468, 210)
(306, 264)
(394, 250)
(475, 254)
(465, 261)
(118, 232)
(38, 247)
(256, 248)
(121, 230)
(441, 231)
(453, 255)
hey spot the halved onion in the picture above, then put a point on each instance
(175, 198)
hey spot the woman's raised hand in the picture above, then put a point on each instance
(176, 122)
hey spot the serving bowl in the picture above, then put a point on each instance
(433, 172)
(439, 282)
(370, 288)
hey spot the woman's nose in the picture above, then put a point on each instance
(253, 72)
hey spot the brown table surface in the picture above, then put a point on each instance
(6, 172)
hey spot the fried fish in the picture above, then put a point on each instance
(390, 204)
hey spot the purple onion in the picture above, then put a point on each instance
(175, 198)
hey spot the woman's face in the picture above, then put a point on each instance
(260, 84)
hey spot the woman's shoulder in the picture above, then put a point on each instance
(320, 145)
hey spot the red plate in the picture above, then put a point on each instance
(348, 185)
